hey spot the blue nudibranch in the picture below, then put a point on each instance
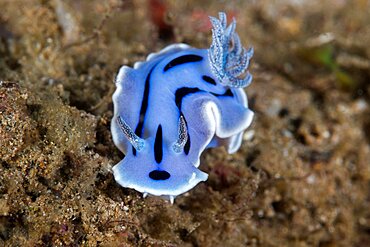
(177, 103)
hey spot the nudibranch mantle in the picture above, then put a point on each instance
(177, 103)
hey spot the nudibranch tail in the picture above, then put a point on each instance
(228, 64)
(183, 136)
(137, 142)
(172, 199)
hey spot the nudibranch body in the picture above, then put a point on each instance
(177, 103)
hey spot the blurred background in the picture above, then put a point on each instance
(301, 177)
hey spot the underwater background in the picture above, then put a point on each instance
(300, 178)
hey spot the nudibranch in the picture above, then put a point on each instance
(177, 103)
